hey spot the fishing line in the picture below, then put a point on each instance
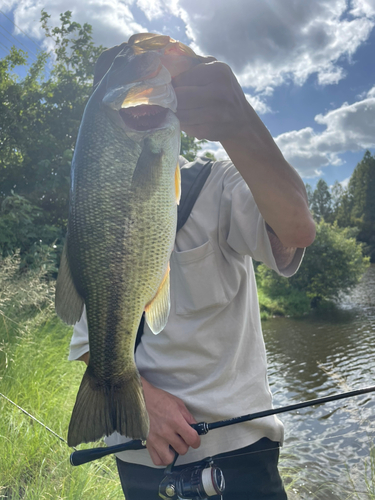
(36, 420)
(9, 19)
(9, 33)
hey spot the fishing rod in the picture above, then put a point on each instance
(84, 456)
(201, 480)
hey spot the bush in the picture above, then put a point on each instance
(23, 227)
(334, 263)
(24, 293)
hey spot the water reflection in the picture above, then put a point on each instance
(315, 357)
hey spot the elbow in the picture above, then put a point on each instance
(305, 234)
(308, 238)
(300, 235)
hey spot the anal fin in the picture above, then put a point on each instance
(157, 311)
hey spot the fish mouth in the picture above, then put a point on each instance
(144, 116)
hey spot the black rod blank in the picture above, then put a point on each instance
(284, 409)
(84, 456)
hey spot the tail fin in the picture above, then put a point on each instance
(102, 409)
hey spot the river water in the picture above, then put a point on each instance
(327, 447)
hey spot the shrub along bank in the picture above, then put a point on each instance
(332, 265)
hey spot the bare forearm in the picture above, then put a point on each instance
(277, 188)
(85, 358)
(212, 105)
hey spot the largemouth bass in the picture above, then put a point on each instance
(125, 187)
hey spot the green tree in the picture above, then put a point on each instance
(309, 192)
(40, 118)
(190, 147)
(337, 194)
(321, 202)
(39, 121)
(20, 120)
(356, 206)
(333, 264)
(361, 191)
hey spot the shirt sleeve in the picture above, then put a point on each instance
(247, 234)
(79, 343)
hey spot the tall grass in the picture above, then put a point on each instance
(362, 480)
(35, 374)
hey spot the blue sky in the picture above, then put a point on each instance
(307, 67)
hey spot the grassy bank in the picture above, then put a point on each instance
(35, 374)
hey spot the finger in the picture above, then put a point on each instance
(198, 131)
(208, 59)
(160, 452)
(189, 435)
(201, 116)
(192, 438)
(179, 445)
(203, 74)
(184, 430)
(197, 97)
(187, 415)
(155, 457)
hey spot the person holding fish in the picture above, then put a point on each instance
(208, 362)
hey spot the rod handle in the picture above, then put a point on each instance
(81, 457)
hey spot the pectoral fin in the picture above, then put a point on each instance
(68, 302)
(177, 181)
(146, 174)
(157, 311)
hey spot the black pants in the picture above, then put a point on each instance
(250, 474)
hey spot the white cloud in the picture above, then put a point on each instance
(112, 20)
(348, 128)
(258, 103)
(216, 149)
(332, 74)
(366, 7)
(345, 182)
(266, 43)
(152, 10)
(269, 43)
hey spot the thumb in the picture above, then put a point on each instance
(207, 59)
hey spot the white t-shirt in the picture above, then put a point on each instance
(211, 353)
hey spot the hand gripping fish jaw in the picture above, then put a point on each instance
(200, 481)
